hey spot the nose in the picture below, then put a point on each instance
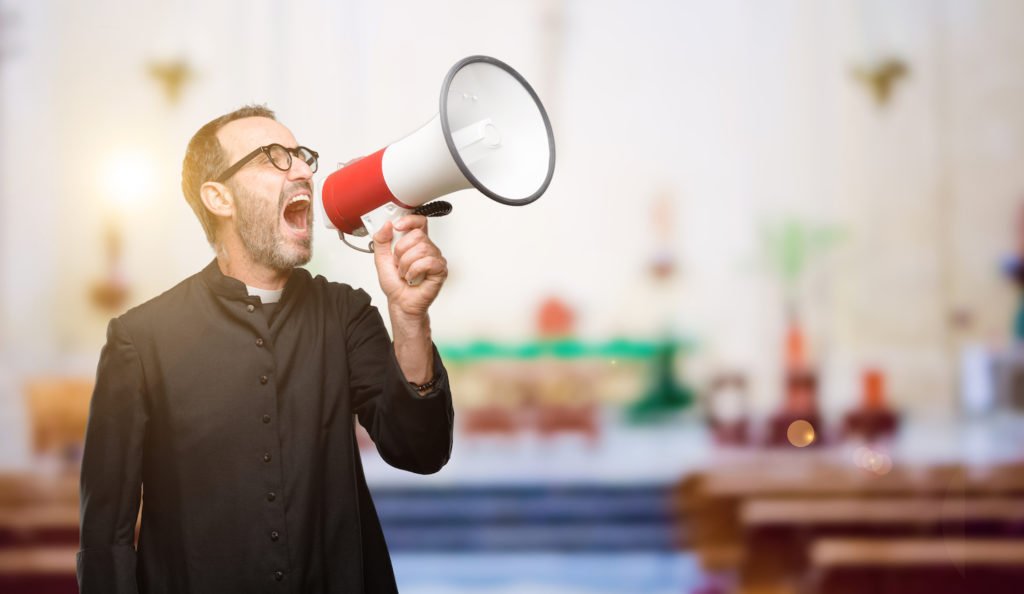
(299, 170)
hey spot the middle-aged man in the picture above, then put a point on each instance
(229, 399)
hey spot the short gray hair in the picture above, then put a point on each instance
(205, 159)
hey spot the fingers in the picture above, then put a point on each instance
(435, 266)
(410, 222)
(410, 239)
(413, 255)
(413, 228)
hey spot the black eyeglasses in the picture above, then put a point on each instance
(279, 156)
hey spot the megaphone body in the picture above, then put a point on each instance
(491, 133)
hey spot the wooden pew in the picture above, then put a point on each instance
(38, 570)
(38, 510)
(714, 497)
(779, 532)
(25, 488)
(916, 566)
(35, 525)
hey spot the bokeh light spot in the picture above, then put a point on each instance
(800, 433)
(127, 178)
(871, 460)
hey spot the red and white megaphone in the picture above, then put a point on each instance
(491, 133)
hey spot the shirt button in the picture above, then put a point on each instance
(278, 575)
(250, 308)
(267, 457)
(259, 342)
(274, 536)
(264, 379)
(271, 496)
(266, 418)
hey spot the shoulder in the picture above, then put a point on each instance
(350, 300)
(168, 307)
(341, 292)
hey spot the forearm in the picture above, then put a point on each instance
(412, 430)
(413, 344)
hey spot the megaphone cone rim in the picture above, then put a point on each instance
(446, 129)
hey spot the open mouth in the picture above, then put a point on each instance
(296, 213)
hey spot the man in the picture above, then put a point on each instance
(230, 398)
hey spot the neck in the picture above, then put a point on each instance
(234, 261)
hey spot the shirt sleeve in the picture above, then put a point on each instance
(412, 432)
(111, 477)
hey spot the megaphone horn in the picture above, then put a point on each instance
(491, 132)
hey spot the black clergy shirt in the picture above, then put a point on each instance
(238, 427)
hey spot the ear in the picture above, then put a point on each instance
(217, 198)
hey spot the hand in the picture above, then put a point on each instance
(414, 256)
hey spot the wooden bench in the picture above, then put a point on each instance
(38, 509)
(916, 565)
(23, 488)
(878, 511)
(779, 532)
(712, 499)
(40, 517)
(39, 570)
(34, 525)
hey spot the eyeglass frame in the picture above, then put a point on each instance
(223, 177)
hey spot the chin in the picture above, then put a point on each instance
(288, 256)
(300, 258)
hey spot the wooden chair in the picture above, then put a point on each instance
(58, 412)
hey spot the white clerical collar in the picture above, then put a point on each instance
(266, 295)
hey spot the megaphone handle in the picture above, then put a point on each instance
(375, 219)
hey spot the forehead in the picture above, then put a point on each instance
(244, 135)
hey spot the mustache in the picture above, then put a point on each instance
(291, 189)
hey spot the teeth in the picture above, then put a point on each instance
(299, 198)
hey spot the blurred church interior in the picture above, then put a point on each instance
(762, 334)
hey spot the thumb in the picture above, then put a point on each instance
(382, 255)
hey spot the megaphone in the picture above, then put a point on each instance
(491, 132)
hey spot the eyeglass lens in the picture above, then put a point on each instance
(281, 157)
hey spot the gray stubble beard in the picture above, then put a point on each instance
(260, 232)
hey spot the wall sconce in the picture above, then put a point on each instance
(880, 77)
(127, 179)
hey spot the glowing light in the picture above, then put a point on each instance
(800, 433)
(872, 461)
(127, 178)
(860, 456)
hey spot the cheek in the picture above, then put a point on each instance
(266, 209)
